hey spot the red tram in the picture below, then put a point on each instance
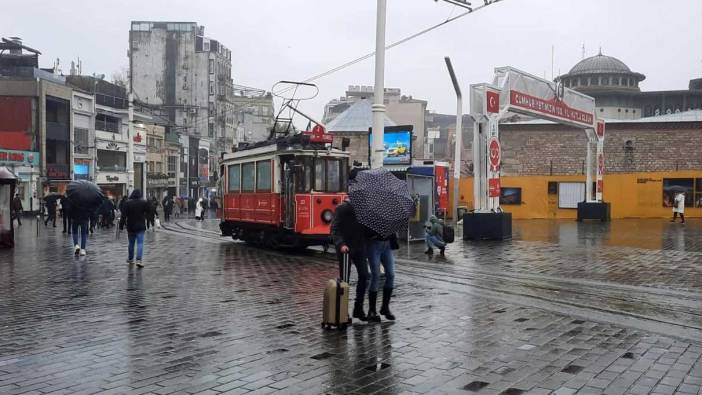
(283, 192)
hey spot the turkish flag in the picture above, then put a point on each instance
(493, 101)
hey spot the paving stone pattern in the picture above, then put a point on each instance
(211, 317)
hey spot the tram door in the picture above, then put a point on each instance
(289, 193)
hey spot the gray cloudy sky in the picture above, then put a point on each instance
(295, 39)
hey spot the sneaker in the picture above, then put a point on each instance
(82, 252)
(139, 263)
(76, 249)
(130, 261)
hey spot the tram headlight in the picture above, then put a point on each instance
(327, 216)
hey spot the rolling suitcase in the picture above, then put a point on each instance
(335, 310)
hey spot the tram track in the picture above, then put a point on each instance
(664, 311)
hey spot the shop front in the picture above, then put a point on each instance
(113, 184)
(25, 164)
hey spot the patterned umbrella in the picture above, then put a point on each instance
(382, 202)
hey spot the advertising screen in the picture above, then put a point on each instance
(397, 142)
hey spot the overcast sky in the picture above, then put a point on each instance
(273, 40)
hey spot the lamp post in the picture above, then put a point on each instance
(377, 130)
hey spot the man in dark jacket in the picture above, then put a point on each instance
(167, 207)
(17, 209)
(66, 214)
(134, 213)
(349, 238)
(51, 210)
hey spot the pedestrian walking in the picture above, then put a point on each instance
(348, 236)
(382, 204)
(167, 207)
(66, 214)
(79, 228)
(433, 236)
(199, 210)
(679, 207)
(85, 199)
(151, 213)
(51, 209)
(134, 213)
(179, 207)
(17, 209)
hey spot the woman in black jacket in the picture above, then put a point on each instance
(134, 213)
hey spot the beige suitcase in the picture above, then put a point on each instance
(335, 311)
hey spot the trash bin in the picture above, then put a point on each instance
(8, 180)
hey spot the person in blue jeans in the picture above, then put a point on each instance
(134, 213)
(79, 228)
(379, 251)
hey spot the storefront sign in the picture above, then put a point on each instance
(57, 172)
(27, 158)
(112, 178)
(111, 146)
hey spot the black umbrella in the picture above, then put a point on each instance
(382, 202)
(84, 195)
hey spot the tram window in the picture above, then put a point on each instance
(320, 174)
(248, 177)
(263, 176)
(333, 175)
(234, 178)
(303, 175)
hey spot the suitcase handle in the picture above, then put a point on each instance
(346, 268)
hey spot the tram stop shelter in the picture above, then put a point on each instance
(8, 181)
(516, 92)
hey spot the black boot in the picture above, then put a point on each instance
(358, 310)
(429, 251)
(372, 315)
(385, 308)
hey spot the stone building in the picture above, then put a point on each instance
(618, 94)
(173, 65)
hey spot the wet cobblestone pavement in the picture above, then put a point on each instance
(563, 308)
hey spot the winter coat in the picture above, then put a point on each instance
(199, 208)
(134, 213)
(346, 230)
(679, 203)
(435, 227)
(17, 204)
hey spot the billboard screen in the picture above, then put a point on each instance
(397, 142)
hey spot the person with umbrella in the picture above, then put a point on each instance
(134, 213)
(85, 198)
(347, 234)
(382, 204)
(66, 214)
(51, 208)
(679, 206)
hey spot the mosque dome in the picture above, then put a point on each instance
(601, 73)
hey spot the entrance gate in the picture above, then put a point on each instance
(517, 92)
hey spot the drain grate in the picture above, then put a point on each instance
(475, 386)
(629, 355)
(512, 391)
(572, 369)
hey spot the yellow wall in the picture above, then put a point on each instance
(632, 195)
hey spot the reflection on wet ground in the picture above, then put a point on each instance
(562, 307)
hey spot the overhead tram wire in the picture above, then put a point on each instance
(399, 42)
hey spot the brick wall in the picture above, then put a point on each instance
(559, 150)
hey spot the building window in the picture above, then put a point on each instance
(510, 195)
(172, 166)
(212, 66)
(111, 160)
(570, 194)
(107, 123)
(80, 141)
(673, 186)
(212, 88)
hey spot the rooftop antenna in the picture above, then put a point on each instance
(600, 52)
